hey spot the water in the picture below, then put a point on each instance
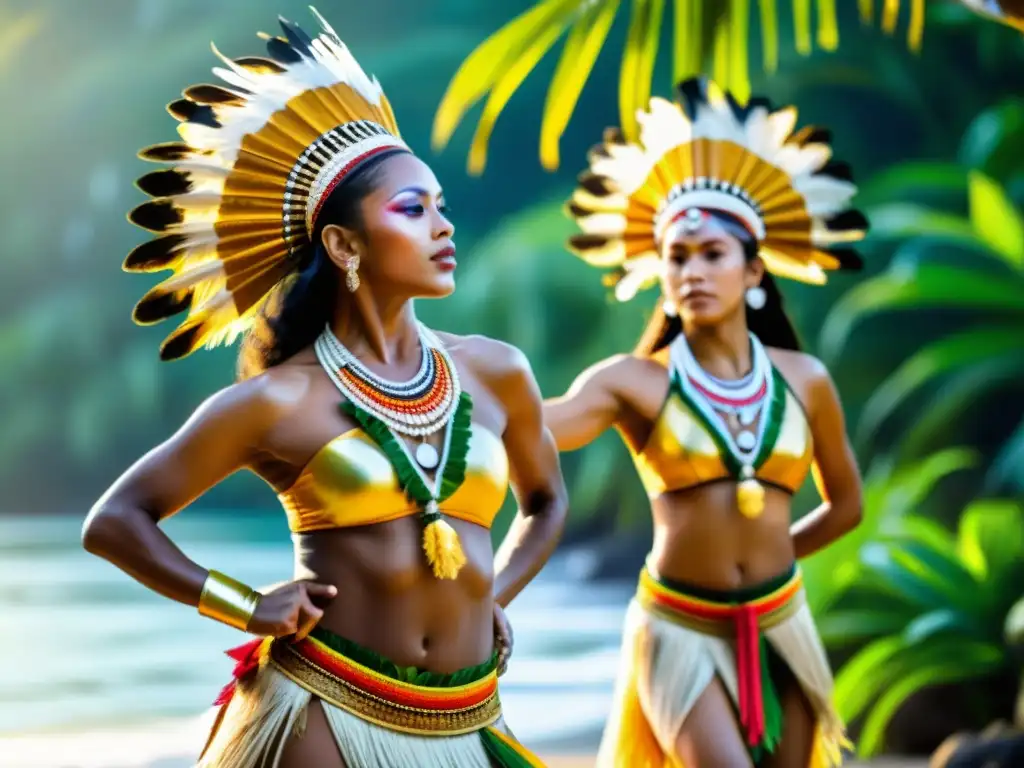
(85, 650)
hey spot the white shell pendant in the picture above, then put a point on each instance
(748, 416)
(746, 441)
(426, 456)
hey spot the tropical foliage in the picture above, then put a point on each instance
(938, 607)
(716, 37)
(956, 279)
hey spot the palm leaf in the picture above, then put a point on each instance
(866, 675)
(510, 80)
(894, 221)
(928, 286)
(994, 140)
(1005, 468)
(996, 220)
(935, 360)
(894, 572)
(964, 662)
(911, 181)
(491, 60)
(942, 414)
(578, 56)
(638, 61)
(729, 32)
(846, 627)
(991, 537)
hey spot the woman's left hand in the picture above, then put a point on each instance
(502, 638)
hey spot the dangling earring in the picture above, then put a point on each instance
(756, 297)
(352, 274)
(669, 308)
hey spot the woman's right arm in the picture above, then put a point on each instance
(591, 405)
(220, 438)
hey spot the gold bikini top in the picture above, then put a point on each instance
(350, 482)
(681, 452)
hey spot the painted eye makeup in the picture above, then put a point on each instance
(407, 208)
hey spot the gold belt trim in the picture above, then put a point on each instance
(377, 710)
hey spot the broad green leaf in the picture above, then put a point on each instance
(941, 415)
(909, 485)
(896, 574)
(982, 661)
(926, 626)
(899, 220)
(578, 56)
(515, 71)
(489, 62)
(638, 61)
(865, 676)
(935, 360)
(996, 220)
(927, 287)
(991, 537)
(845, 627)
(994, 141)
(912, 181)
(1005, 471)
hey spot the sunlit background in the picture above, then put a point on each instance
(926, 347)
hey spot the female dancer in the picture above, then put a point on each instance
(295, 212)
(724, 418)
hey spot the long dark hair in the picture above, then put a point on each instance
(302, 304)
(770, 323)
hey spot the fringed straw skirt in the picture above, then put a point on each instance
(381, 715)
(678, 638)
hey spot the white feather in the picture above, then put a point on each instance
(641, 272)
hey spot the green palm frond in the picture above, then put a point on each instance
(939, 609)
(701, 29)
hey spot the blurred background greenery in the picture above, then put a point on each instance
(926, 346)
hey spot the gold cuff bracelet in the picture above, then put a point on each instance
(228, 601)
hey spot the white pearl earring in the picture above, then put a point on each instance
(669, 308)
(756, 297)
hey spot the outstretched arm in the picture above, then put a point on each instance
(835, 473)
(591, 406)
(123, 526)
(536, 477)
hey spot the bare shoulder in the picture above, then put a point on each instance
(486, 357)
(806, 375)
(262, 401)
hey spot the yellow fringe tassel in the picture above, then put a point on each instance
(444, 552)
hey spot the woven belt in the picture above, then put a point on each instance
(384, 701)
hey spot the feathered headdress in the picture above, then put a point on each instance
(260, 155)
(707, 152)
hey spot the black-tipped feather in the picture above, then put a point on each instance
(587, 241)
(185, 110)
(838, 170)
(155, 255)
(594, 184)
(300, 41)
(153, 309)
(156, 215)
(613, 135)
(260, 65)
(281, 52)
(811, 134)
(691, 93)
(212, 94)
(164, 183)
(179, 344)
(849, 219)
(171, 152)
(849, 259)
